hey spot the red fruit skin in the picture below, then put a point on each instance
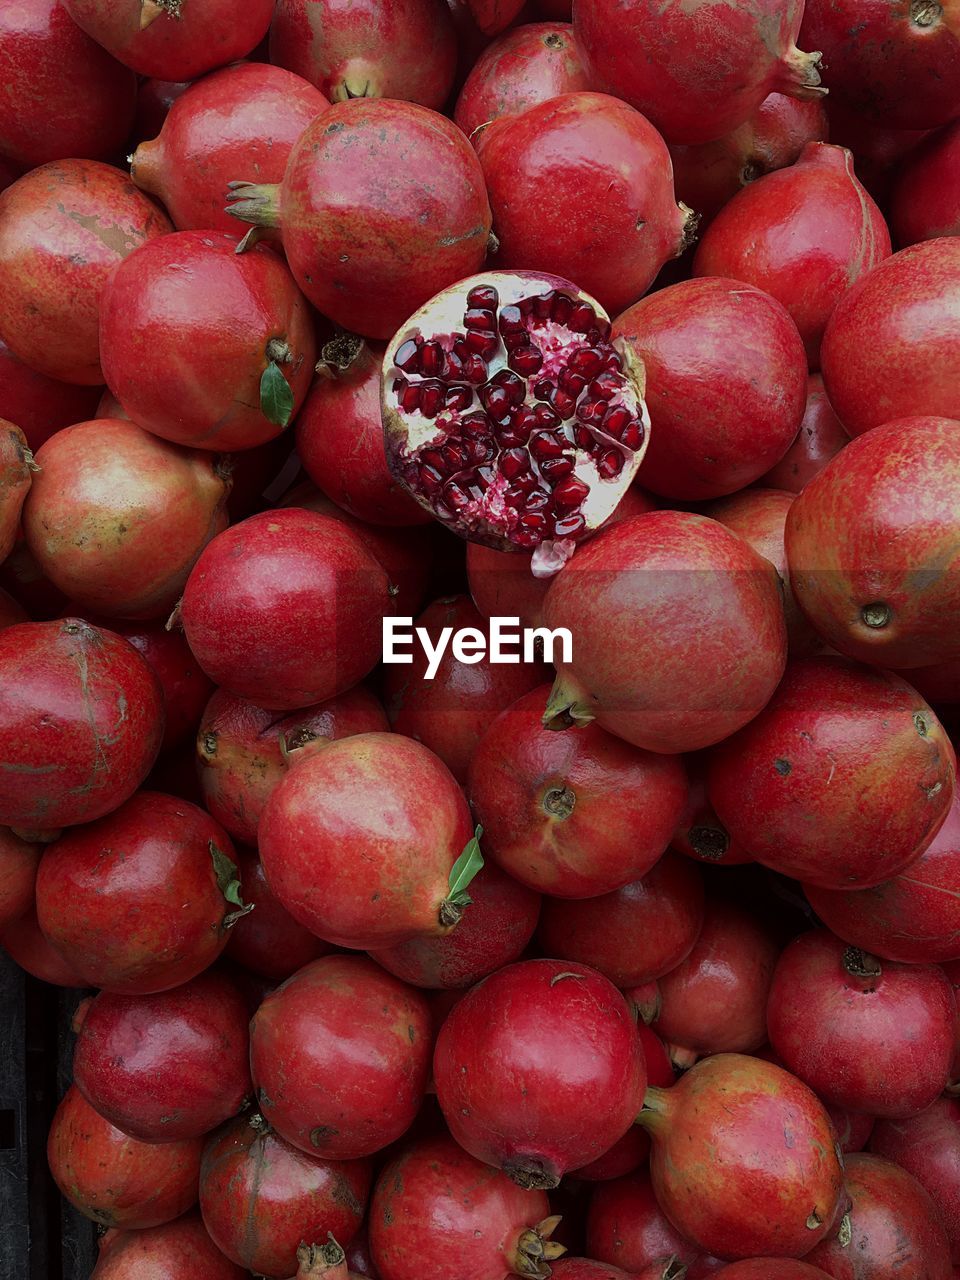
(702, 615)
(260, 1198)
(63, 94)
(707, 175)
(286, 609)
(897, 1233)
(243, 118)
(84, 728)
(853, 1129)
(18, 875)
(899, 316)
(721, 421)
(925, 201)
(542, 799)
(792, 785)
(589, 1269)
(804, 235)
(17, 469)
(63, 229)
(268, 941)
(242, 748)
(404, 49)
(333, 863)
(25, 944)
(700, 834)
(359, 1262)
(511, 1060)
(928, 1147)
(177, 45)
(340, 1056)
(37, 404)
(494, 16)
(154, 100)
(166, 1067)
(135, 902)
(186, 362)
(115, 1180)
(871, 545)
(179, 1250)
(627, 1228)
(868, 1037)
(523, 67)
(770, 1269)
(595, 152)
(820, 438)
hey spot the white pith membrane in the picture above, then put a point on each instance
(535, 472)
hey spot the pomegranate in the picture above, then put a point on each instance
(359, 1262)
(166, 1067)
(322, 1262)
(16, 476)
(142, 900)
(928, 1147)
(867, 1036)
(40, 405)
(403, 49)
(247, 116)
(900, 316)
(700, 834)
(243, 751)
(84, 729)
(589, 1269)
(223, 360)
(678, 633)
(627, 1228)
(154, 100)
(655, 56)
(340, 1056)
(711, 173)
(517, 1056)
(596, 152)
(418, 216)
(64, 95)
(180, 1250)
(770, 1269)
(26, 945)
(261, 1198)
(871, 545)
(173, 39)
(115, 1180)
(268, 941)
(335, 865)
(804, 235)
(842, 781)
(820, 438)
(523, 67)
(636, 934)
(925, 201)
(853, 1129)
(286, 609)
(63, 228)
(720, 421)
(559, 428)
(734, 1130)
(18, 874)
(893, 1231)
(494, 16)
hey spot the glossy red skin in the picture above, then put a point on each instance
(897, 1232)
(183, 46)
(589, 1269)
(925, 202)
(653, 56)
(333, 863)
(413, 227)
(627, 1228)
(286, 609)
(241, 749)
(18, 875)
(179, 1250)
(770, 1269)
(712, 609)
(63, 94)
(115, 1180)
(166, 1067)
(542, 799)
(269, 941)
(852, 1128)
(517, 1052)
(17, 470)
(65, 226)
(720, 421)
(593, 152)
(94, 697)
(734, 1132)
(24, 943)
(154, 100)
(707, 175)
(700, 834)
(791, 786)
(359, 1262)
(878, 528)
(803, 235)
(186, 362)
(241, 119)
(820, 438)
(37, 404)
(494, 16)
(339, 437)
(899, 316)
(879, 1044)
(133, 902)
(523, 67)
(403, 49)
(635, 934)
(261, 1198)
(928, 1147)
(340, 1056)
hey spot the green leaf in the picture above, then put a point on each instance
(276, 398)
(464, 870)
(228, 880)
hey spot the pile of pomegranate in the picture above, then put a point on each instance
(339, 342)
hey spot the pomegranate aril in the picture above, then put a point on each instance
(433, 360)
(458, 398)
(554, 469)
(484, 477)
(512, 384)
(610, 464)
(475, 426)
(454, 366)
(570, 525)
(511, 321)
(583, 436)
(430, 479)
(527, 360)
(483, 295)
(522, 421)
(606, 385)
(453, 456)
(570, 492)
(544, 445)
(474, 368)
(586, 361)
(546, 417)
(454, 496)
(442, 510)
(533, 522)
(434, 459)
(431, 398)
(516, 494)
(582, 318)
(513, 341)
(478, 451)
(482, 342)
(479, 318)
(408, 356)
(615, 419)
(571, 382)
(562, 401)
(497, 402)
(632, 435)
(592, 411)
(562, 308)
(507, 439)
(537, 499)
(543, 305)
(514, 462)
(410, 397)
(612, 361)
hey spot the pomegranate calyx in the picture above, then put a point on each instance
(688, 229)
(228, 881)
(343, 353)
(860, 964)
(681, 1058)
(709, 843)
(535, 1249)
(151, 10)
(799, 75)
(674, 1269)
(462, 873)
(326, 1261)
(532, 1173)
(565, 709)
(254, 202)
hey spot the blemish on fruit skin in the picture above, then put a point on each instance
(783, 767)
